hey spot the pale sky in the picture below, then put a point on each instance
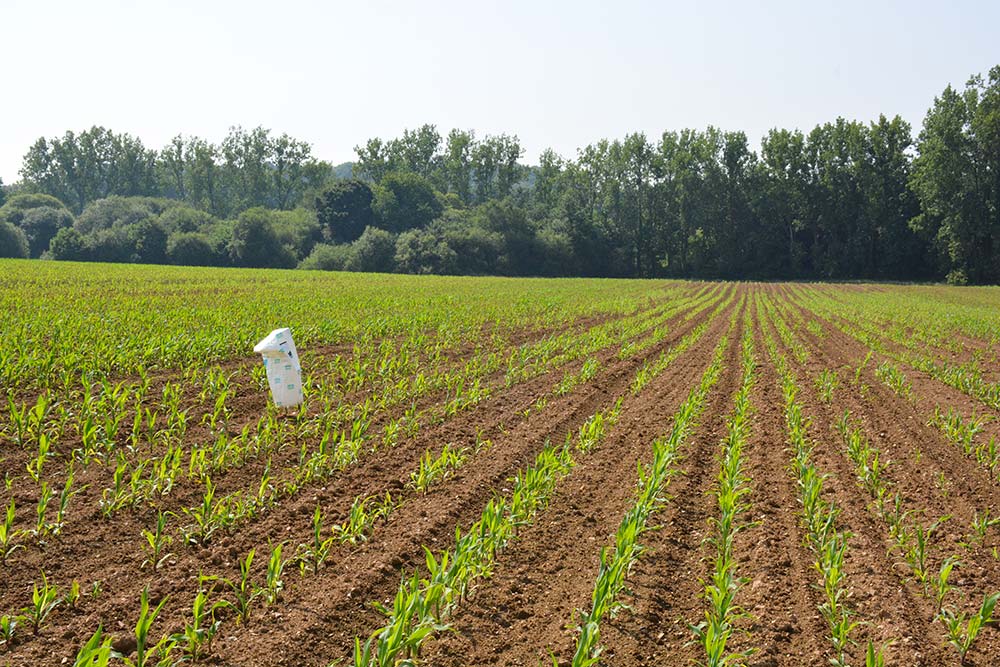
(557, 74)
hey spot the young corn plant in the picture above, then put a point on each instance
(988, 455)
(208, 517)
(962, 630)
(830, 563)
(196, 637)
(97, 652)
(875, 656)
(243, 590)
(8, 535)
(940, 584)
(65, 496)
(34, 466)
(861, 368)
(981, 523)
(826, 384)
(44, 600)
(571, 380)
(157, 542)
(615, 565)
(956, 428)
(917, 551)
(273, 583)
(724, 582)
(435, 469)
(42, 527)
(592, 431)
(8, 630)
(143, 655)
(895, 379)
(312, 556)
(420, 604)
(362, 518)
(868, 465)
(73, 595)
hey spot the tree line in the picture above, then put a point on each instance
(846, 200)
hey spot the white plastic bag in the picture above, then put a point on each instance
(284, 374)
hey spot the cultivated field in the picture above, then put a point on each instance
(494, 471)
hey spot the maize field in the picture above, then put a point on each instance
(491, 471)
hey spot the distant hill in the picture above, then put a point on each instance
(344, 170)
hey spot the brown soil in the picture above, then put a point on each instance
(527, 610)
(93, 549)
(934, 479)
(529, 605)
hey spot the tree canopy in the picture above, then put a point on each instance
(845, 200)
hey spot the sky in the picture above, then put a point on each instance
(559, 75)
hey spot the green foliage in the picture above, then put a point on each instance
(405, 201)
(297, 230)
(844, 200)
(255, 242)
(68, 244)
(13, 242)
(328, 258)
(192, 249)
(374, 251)
(423, 251)
(963, 629)
(96, 652)
(184, 218)
(16, 206)
(344, 210)
(117, 211)
(41, 224)
(957, 149)
(91, 165)
(478, 251)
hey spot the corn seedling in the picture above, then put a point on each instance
(142, 626)
(942, 484)
(826, 384)
(65, 496)
(875, 657)
(73, 596)
(8, 628)
(962, 630)
(157, 541)
(981, 523)
(940, 584)
(208, 517)
(313, 555)
(43, 601)
(97, 652)
(917, 550)
(420, 604)
(828, 544)
(724, 582)
(34, 466)
(988, 455)
(273, 584)
(196, 637)
(362, 518)
(861, 367)
(8, 534)
(41, 508)
(434, 469)
(243, 590)
(956, 428)
(894, 378)
(592, 430)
